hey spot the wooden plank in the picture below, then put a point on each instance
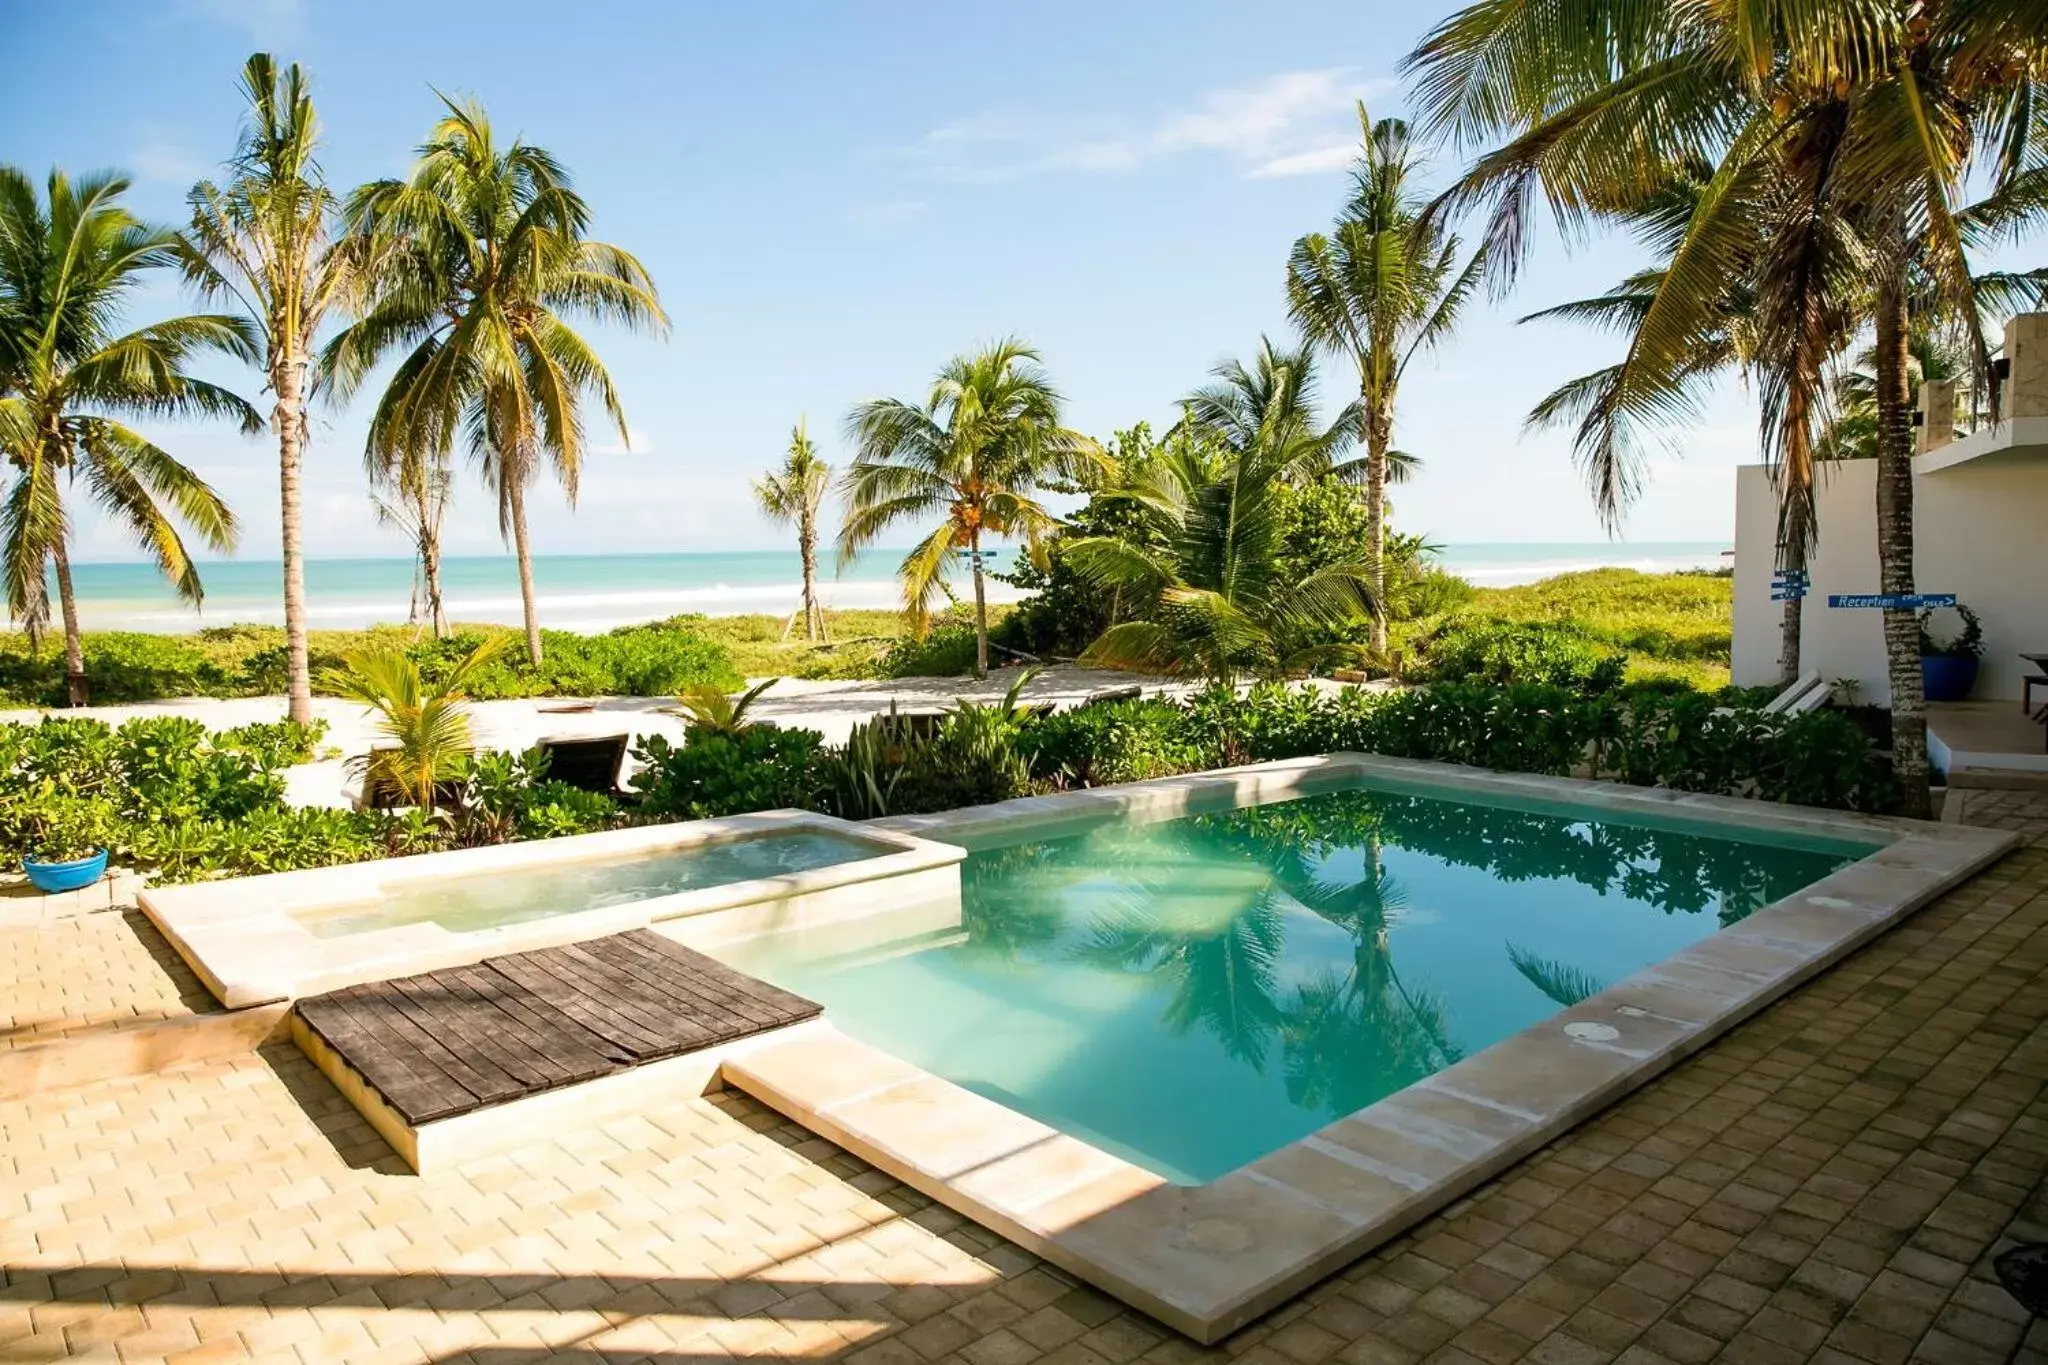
(484, 1082)
(767, 991)
(671, 988)
(625, 1013)
(568, 994)
(716, 994)
(712, 980)
(444, 1043)
(650, 1010)
(573, 1052)
(415, 1084)
(473, 1030)
(410, 1087)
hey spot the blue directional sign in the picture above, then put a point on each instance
(1896, 601)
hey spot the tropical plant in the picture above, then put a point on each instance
(426, 722)
(482, 261)
(975, 453)
(262, 239)
(710, 710)
(790, 497)
(1864, 117)
(415, 503)
(1383, 284)
(762, 767)
(1966, 643)
(1560, 981)
(1225, 606)
(67, 379)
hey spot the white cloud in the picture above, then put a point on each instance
(1334, 156)
(639, 443)
(1291, 123)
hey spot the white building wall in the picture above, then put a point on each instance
(1980, 531)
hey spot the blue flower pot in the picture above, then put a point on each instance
(1947, 677)
(50, 878)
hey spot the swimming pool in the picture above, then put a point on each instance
(1194, 993)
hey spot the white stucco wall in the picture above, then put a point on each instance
(1980, 531)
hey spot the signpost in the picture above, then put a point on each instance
(1788, 585)
(1897, 601)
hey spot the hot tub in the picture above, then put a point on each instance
(254, 940)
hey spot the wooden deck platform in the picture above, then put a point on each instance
(449, 1042)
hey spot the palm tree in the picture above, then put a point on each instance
(1867, 113)
(1208, 546)
(483, 258)
(1381, 286)
(427, 723)
(416, 502)
(974, 454)
(791, 497)
(262, 240)
(66, 380)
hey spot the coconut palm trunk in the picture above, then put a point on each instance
(1895, 540)
(76, 692)
(430, 571)
(289, 417)
(980, 605)
(814, 614)
(1791, 625)
(1379, 436)
(515, 504)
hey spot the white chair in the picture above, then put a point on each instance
(1806, 693)
(1792, 701)
(1814, 699)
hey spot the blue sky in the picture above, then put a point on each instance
(833, 198)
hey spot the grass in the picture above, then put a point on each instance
(759, 651)
(1670, 626)
(1674, 625)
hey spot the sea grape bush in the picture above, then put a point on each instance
(168, 797)
(658, 659)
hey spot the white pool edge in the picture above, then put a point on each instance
(1207, 1259)
(241, 935)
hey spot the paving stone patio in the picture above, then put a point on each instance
(1827, 1183)
(84, 973)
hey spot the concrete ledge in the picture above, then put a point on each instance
(136, 1049)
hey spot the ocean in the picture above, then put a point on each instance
(598, 592)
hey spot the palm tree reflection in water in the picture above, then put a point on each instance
(1204, 907)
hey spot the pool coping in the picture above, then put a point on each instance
(1207, 1259)
(241, 937)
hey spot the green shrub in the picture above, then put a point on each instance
(971, 759)
(857, 780)
(1120, 741)
(946, 651)
(509, 796)
(171, 771)
(1559, 654)
(54, 828)
(760, 768)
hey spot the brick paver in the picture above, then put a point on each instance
(1826, 1183)
(90, 972)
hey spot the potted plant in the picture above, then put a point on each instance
(1948, 667)
(66, 842)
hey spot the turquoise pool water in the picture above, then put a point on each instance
(500, 898)
(1196, 993)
